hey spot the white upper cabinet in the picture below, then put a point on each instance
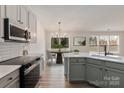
(17, 14)
(2, 15)
(23, 16)
(11, 12)
(32, 27)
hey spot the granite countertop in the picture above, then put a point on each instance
(10, 65)
(80, 54)
(7, 69)
(20, 60)
(119, 59)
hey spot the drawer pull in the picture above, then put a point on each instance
(10, 78)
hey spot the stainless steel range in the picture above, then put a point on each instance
(29, 71)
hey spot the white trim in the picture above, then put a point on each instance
(17, 38)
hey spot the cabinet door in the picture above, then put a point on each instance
(114, 78)
(32, 27)
(2, 12)
(77, 72)
(14, 84)
(66, 60)
(94, 74)
(0, 26)
(23, 16)
(12, 12)
(41, 66)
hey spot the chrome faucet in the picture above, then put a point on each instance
(105, 51)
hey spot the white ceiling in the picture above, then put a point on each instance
(81, 17)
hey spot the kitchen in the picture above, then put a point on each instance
(20, 46)
(36, 41)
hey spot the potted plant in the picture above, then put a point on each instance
(76, 51)
(58, 46)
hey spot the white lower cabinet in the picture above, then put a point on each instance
(94, 74)
(11, 80)
(14, 84)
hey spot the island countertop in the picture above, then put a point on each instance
(7, 69)
(118, 59)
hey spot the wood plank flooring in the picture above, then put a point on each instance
(53, 77)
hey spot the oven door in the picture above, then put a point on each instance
(32, 75)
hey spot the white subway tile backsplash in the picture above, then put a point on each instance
(10, 50)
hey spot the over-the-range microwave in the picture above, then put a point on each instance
(14, 33)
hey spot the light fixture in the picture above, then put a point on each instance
(59, 23)
(59, 34)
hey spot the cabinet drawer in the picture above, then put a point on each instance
(73, 60)
(9, 78)
(94, 61)
(77, 60)
(13, 84)
(115, 65)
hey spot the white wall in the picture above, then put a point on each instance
(122, 44)
(39, 47)
(10, 50)
(87, 34)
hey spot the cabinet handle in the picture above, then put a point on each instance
(10, 78)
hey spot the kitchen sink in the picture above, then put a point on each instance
(108, 56)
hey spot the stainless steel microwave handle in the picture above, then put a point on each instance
(31, 68)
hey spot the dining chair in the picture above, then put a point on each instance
(51, 57)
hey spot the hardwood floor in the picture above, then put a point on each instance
(53, 77)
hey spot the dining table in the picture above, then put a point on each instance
(59, 55)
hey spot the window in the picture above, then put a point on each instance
(103, 40)
(64, 43)
(97, 43)
(114, 44)
(93, 42)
